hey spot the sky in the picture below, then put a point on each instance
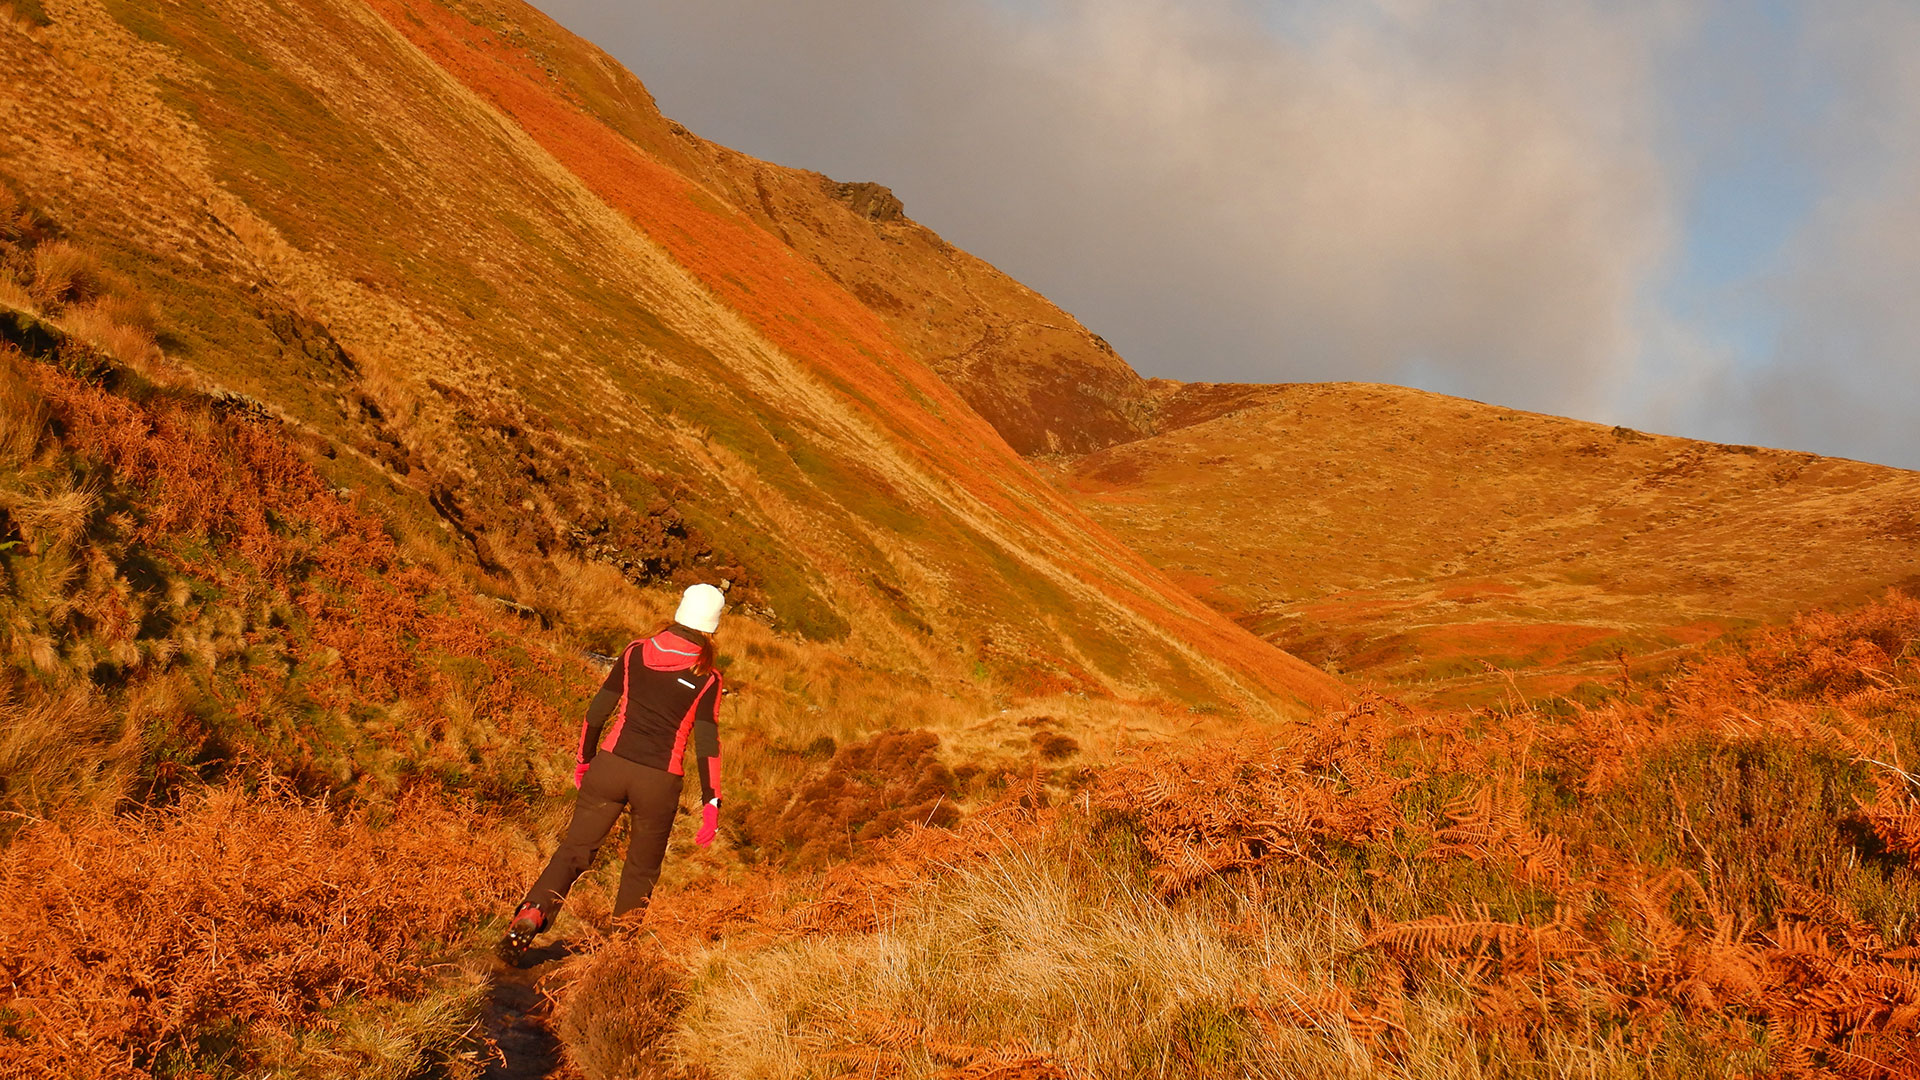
(1697, 217)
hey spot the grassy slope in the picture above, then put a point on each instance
(186, 602)
(1617, 886)
(537, 320)
(1709, 878)
(333, 762)
(1406, 537)
(796, 307)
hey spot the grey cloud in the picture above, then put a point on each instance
(1471, 203)
(1845, 375)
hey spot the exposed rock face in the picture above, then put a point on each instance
(869, 200)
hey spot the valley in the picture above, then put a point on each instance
(373, 371)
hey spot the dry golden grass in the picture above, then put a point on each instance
(1405, 539)
(63, 756)
(1047, 956)
(432, 1035)
(63, 275)
(116, 329)
(122, 309)
(11, 208)
(1012, 951)
(12, 293)
(23, 415)
(52, 517)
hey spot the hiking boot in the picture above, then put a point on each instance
(527, 922)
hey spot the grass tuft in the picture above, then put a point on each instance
(617, 1019)
(64, 275)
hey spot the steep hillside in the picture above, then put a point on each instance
(1415, 538)
(502, 297)
(369, 368)
(1045, 382)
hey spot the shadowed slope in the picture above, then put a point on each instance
(1409, 536)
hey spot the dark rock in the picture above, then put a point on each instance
(870, 200)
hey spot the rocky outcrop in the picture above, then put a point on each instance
(868, 200)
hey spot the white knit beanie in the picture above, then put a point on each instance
(700, 608)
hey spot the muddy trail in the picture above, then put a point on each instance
(516, 1018)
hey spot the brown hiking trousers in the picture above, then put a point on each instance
(613, 784)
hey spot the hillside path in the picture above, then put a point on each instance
(516, 1018)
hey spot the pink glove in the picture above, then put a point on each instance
(579, 773)
(709, 824)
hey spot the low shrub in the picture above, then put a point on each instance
(1712, 876)
(868, 790)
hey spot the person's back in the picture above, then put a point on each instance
(662, 694)
(661, 690)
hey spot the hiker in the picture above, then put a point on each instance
(661, 690)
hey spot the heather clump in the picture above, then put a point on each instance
(616, 1017)
(867, 791)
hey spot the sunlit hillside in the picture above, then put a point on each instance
(1712, 877)
(1413, 539)
(446, 256)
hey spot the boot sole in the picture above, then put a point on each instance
(515, 945)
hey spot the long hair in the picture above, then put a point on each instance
(702, 663)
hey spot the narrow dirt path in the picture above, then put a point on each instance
(516, 1019)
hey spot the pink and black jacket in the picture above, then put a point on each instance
(656, 703)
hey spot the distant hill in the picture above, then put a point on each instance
(1414, 538)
